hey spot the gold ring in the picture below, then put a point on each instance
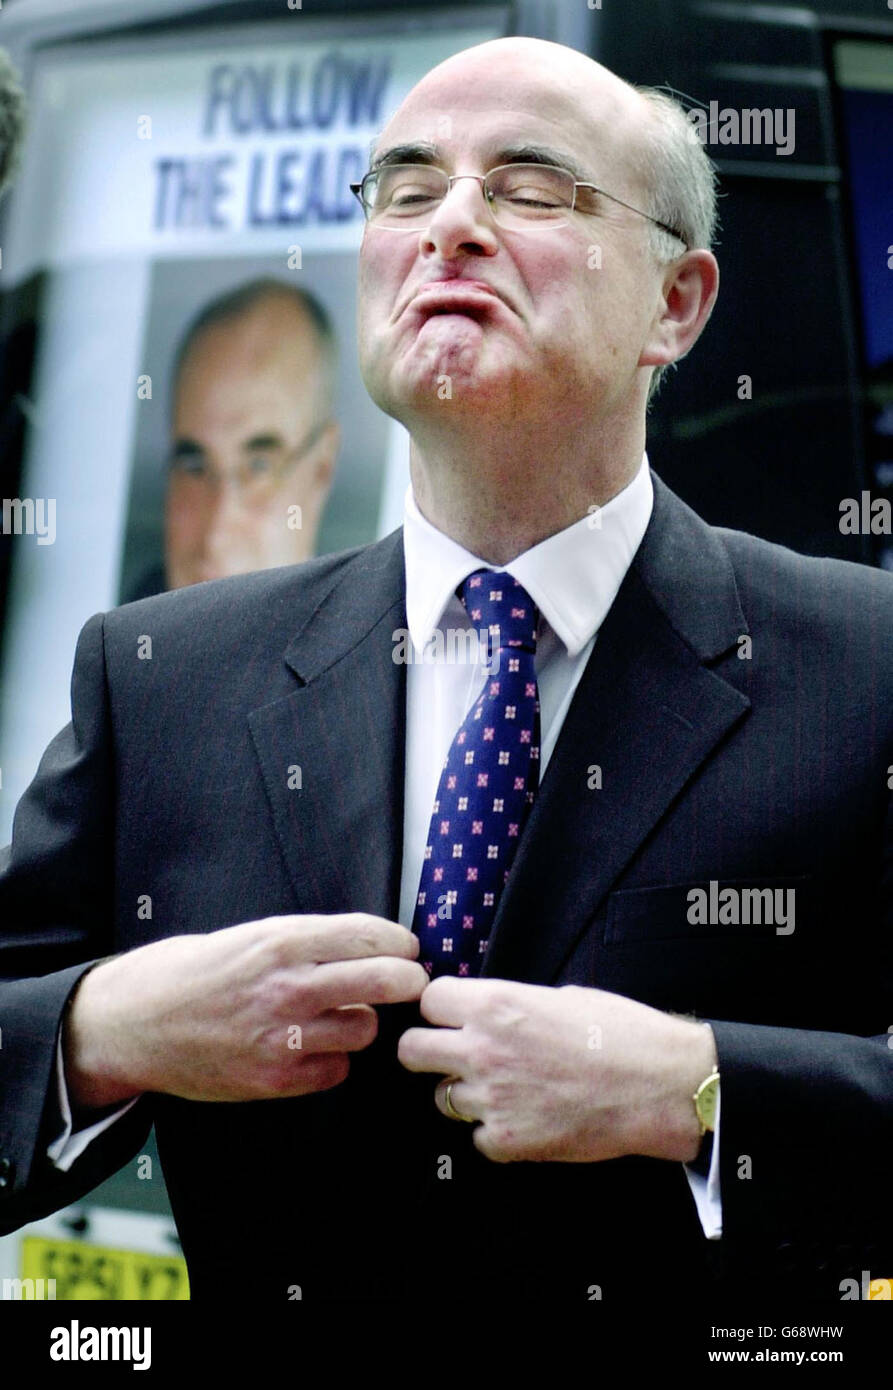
(451, 1110)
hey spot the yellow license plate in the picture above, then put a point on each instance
(94, 1272)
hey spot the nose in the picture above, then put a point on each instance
(224, 520)
(462, 222)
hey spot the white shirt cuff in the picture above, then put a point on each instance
(706, 1190)
(64, 1150)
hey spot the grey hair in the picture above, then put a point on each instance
(681, 179)
(12, 120)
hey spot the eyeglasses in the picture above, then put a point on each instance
(256, 477)
(521, 197)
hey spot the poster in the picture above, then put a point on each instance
(158, 178)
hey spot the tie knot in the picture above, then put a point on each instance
(496, 602)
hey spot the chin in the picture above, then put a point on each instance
(458, 386)
(455, 364)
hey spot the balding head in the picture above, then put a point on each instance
(567, 88)
(304, 333)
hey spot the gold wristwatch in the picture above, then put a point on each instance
(705, 1099)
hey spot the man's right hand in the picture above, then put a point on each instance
(217, 1017)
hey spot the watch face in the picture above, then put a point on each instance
(705, 1102)
(707, 1098)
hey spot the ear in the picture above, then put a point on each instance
(687, 298)
(328, 446)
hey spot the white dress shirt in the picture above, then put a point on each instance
(573, 578)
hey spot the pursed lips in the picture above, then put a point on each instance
(474, 298)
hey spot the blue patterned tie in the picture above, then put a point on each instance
(487, 785)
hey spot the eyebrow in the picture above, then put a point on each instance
(185, 448)
(271, 440)
(190, 448)
(421, 152)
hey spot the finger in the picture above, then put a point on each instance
(460, 1099)
(451, 1002)
(350, 936)
(432, 1049)
(346, 1029)
(484, 1142)
(379, 980)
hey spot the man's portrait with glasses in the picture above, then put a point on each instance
(253, 438)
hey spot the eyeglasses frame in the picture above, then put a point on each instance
(292, 457)
(357, 190)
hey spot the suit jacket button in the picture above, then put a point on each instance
(7, 1172)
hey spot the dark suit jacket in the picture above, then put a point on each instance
(767, 768)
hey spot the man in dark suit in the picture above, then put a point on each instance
(681, 883)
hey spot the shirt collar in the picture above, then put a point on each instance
(572, 577)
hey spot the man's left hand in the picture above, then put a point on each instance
(568, 1074)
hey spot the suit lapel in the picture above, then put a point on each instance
(341, 831)
(647, 711)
